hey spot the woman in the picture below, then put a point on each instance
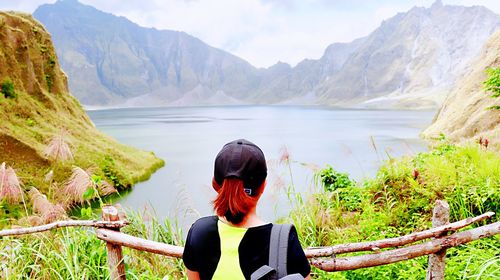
(235, 243)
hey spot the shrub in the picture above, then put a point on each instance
(492, 84)
(332, 179)
(48, 79)
(7, 89)
(341, 188)
(113, 175)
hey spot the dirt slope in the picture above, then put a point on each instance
(465, 114)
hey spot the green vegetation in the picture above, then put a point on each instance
(44, 129)
(48, 80)
(492, 84)
(333, 180)
(30, 122)
(399, 200)
(75, 253)
(7, 88)
(340, 187)
(53, 146)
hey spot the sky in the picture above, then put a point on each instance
(262, 32)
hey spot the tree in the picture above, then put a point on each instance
(492, 84)
(7, 88)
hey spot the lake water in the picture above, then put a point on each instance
(189, 138)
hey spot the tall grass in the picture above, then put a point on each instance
(399, 200)
(76, 253)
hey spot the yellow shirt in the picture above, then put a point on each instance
(229, 263)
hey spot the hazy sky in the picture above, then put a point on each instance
(261, 31)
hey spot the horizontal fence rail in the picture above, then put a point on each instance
(313, 252)
(324, 258)
(137, 243)
(60, 224)
(402, 254)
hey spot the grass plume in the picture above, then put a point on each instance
(105, 188)
(42, 206)
(79, 182)
(58, 148)
(49, 176)
(10, 187)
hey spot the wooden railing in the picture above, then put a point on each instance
(324, 258)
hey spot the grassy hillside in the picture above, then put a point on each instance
(36, 106)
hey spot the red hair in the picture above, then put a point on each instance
(232, 202)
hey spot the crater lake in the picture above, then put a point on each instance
(297, 142)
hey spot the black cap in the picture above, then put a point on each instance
(244, 160)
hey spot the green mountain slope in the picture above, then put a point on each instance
(43, 107)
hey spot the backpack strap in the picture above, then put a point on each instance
(278, 248)
(296, 276)
(264, 272)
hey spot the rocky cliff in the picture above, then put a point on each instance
(113, 60)
(35, 106)
(465, 114)
(411, 60)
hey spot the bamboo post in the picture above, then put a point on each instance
(440, 217)
(115, 256)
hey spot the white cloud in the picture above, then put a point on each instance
(220, 23)
(261, 31)
(22, 5)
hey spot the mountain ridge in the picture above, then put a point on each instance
(149, 69)
(407, 53)
(405, 62)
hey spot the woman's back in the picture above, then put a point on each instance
(235, 243)
(210, 241)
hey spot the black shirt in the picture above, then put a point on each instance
(202, 251)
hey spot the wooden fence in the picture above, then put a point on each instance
(442, 235)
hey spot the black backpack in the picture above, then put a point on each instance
(278, 249)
